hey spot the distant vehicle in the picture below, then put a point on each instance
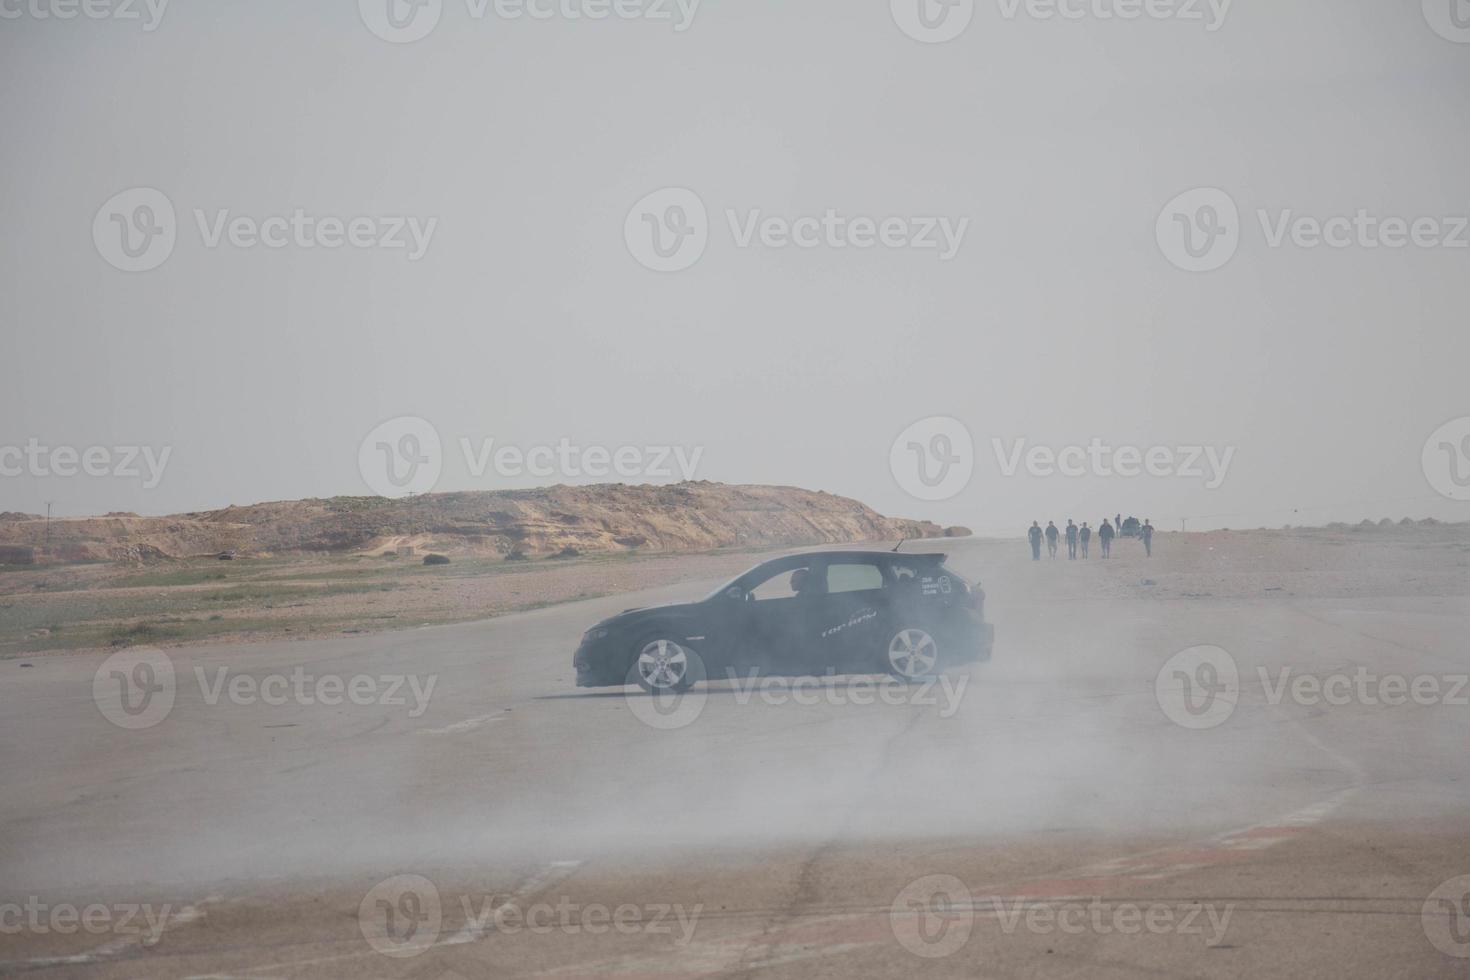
(847, 612)
(1131, 528)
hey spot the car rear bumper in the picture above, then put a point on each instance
(985, 644)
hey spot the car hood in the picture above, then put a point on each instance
(631, 617)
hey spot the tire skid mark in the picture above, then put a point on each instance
(782, 942)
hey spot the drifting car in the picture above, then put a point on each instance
(847, 612)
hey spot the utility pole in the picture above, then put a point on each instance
(46, 546)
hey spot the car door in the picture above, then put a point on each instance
(775, 617)
(851, 615)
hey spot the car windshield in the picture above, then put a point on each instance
(743, 581)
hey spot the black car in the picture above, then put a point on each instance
(850, 612)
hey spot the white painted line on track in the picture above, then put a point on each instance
(185, 915)
(460, 727)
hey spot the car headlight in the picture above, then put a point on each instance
(593, 635)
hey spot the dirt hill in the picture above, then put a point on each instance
(555, 520)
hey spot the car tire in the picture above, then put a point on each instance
(912, 654)
(665, 666)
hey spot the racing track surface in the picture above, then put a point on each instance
(1291, 840)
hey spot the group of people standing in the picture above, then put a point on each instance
(1080, 538)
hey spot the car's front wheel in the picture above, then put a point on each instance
(662, 666)
(912, 654)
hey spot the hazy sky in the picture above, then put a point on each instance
(519, 147)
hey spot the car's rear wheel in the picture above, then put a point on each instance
(662, 666)
(912, 654)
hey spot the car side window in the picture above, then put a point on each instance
(853, 577)
(785, 584)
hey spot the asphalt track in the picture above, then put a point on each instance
(517, 826)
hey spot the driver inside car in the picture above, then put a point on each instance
(799, 581)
